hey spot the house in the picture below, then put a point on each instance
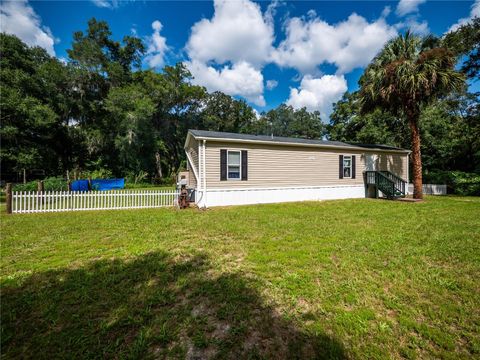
(234, 169)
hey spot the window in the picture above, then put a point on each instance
(233, 165)
(347, 166)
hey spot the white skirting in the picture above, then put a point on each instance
(244, 196)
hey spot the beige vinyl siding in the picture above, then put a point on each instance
(395, 163)
(284, 166)
(192, 149)
(281, 166)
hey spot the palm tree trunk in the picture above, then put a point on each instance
(416, 158)
(158, 165)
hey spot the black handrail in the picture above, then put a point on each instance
(388, 183)
(399, 182)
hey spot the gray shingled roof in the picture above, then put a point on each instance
(286, 140)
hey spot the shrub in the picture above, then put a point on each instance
(50, 184)
(458, 182)
(136, 178)
(131, 185)
(100, 173)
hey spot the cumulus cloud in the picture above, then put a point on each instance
(411, 22)
(474, 12)
(405, 7)
(110, 4)
(237, 32)
(239, 79)
(257, 114)
(348, 44)
(318, 93)
(386, 11)
(271, 84)
(414, 25)
(157, 46)
(19, 18)
(228, 51)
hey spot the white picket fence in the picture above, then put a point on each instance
(430, 189)
(53, 201)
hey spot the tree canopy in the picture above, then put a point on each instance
(408, 74)
(101, 112)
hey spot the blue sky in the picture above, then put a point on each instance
(302, 53)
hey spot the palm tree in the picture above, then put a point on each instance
(408, 74)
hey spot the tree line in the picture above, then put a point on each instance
(100, 113)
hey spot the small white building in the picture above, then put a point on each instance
(236, 169)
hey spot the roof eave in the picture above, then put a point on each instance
(189, 134)
(291, 144)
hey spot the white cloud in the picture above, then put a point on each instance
(237, 32)
(318, 93)
(271, 84)
(19, 18)
(257, 114)
(157, 46)
(386, 11)
(405, 7)
(420, 28)
(349, 44)
(227, 52)
(474, 12)
(239, 79)
(105, 3)
(413, 23)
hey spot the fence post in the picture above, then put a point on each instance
(9, 197)
(40, 190)
(40, 186)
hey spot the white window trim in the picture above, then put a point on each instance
(239, 165)
(343, 166)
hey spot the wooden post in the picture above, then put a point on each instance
(40, 190)
(9, 197)
(24, 176)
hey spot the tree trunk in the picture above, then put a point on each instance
(416, 158)
(158, 165)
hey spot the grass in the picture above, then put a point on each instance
(336, 279)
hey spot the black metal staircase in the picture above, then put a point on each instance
(391, 185)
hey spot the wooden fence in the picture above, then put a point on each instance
(53, 201)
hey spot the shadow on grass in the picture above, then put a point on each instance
(154, 306)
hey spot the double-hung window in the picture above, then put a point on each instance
(233, 165)
(347, 166)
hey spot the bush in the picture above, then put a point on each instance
(136, 178)
(101, 173)
(458, 182)
(131, 185)
(50, 184)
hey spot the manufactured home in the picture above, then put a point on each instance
(237, 169)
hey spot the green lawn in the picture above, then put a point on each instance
(336, 279)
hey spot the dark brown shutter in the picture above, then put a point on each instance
(244, 165)
(340, 163)
(353, 167)
(223, 164)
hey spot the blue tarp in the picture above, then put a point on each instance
(108, 184)
(79, 185)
